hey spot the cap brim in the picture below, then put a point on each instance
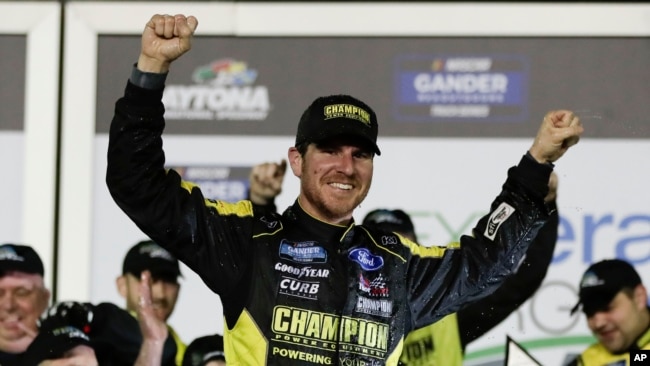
(165, 275)
(594, 301)
(342, 127)
(575, 308)
(19, 267)
(351, 136)
(168, 275)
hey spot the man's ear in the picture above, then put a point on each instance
(44, 299)
(641, 296)
(120, 282)
(295, 160)
(47, 295)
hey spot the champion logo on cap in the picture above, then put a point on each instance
(347, 111)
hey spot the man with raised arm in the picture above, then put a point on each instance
(309, 286)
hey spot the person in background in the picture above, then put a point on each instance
(154, 330)
(443, 343)
(615, 302)
(23, 299)
(257, 262)
(114, 332)
(202, 351)
(165, 271)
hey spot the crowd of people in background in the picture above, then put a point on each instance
(454, 293)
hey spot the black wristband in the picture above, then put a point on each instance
(530, 156)
(147, 80)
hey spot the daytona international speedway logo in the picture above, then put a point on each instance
(224, 89)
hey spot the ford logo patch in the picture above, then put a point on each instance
(366, 260)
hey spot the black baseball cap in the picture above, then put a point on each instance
(602, 281)
(337, 115)
(147, 255)
(391, 220)
(203, 350)
(21, 258)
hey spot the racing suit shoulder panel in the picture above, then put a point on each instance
(240, 208)
(388, 241)
(267, 224)
(433, 251)
(384, 239)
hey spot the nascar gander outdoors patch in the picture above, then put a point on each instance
(303, 252)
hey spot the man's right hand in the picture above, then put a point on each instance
(266, 182)
(164, 39)
(151, 327)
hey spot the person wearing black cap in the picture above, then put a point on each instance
(23, 298)
(309, 286)
(615, 302)
(164, 271)
(444, 342)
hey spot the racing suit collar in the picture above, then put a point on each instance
(320, 229)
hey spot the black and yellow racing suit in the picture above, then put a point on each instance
(299, 291)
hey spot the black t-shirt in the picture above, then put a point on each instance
(115, 336)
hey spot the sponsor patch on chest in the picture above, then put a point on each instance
(299, 288)
(367, 260)
(302, 252)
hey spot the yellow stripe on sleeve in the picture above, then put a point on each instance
(241, 208)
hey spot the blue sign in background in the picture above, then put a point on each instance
(493, 89)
